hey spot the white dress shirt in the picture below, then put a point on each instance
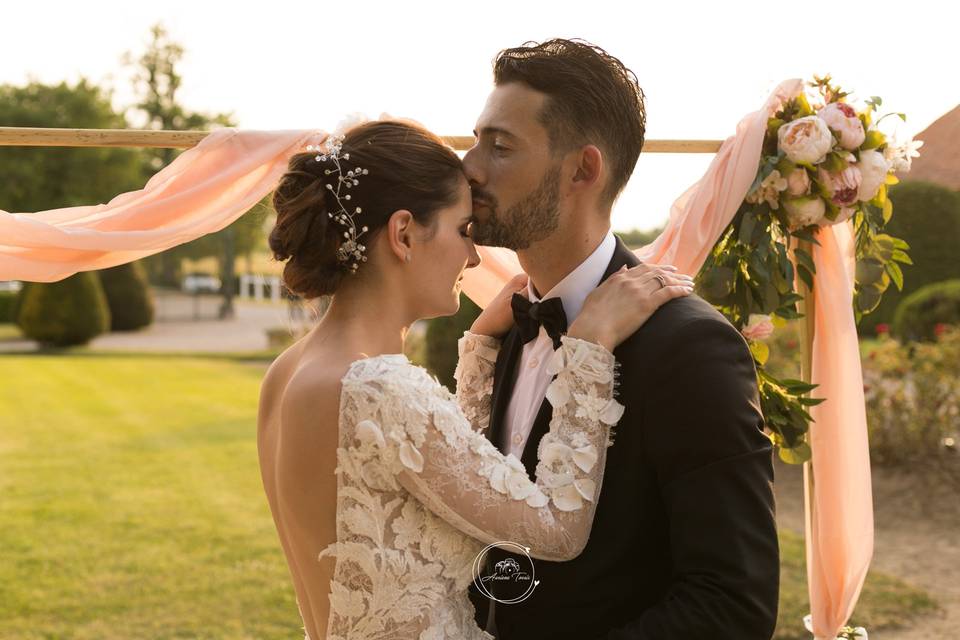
(532, 377)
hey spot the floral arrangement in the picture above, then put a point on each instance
(823, 162)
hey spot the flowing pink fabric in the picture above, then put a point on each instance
(203, 190)
(840, 534)
(214, 183)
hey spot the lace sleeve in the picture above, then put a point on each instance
(474, 376)
(460, 476)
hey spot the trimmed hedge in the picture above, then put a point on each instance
(919, 313)
(69, 312)
(442, 336)
(927, 216)
(8, 300)
(128, 296)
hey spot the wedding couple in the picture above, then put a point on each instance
(606, 420)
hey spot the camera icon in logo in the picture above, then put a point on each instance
(511, 580)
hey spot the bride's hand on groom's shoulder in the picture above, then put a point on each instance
(497, 317)
(624, 301)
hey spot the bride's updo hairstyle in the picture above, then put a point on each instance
(408, 167)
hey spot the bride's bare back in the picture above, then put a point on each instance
(297, 443)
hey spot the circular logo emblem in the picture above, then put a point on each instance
(510, 580)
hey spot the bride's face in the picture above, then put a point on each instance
(515, 180)
(440, 261)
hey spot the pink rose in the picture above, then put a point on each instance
(844, 186)
(759, 327)
(842, 119)
(798, 182)
(805, 139)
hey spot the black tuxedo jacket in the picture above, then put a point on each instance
(684, 542)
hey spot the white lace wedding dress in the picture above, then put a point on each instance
(421, 491)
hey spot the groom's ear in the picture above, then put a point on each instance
(589, 168)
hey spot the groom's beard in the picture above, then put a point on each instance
(532, 219)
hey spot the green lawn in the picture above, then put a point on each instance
(131, 507)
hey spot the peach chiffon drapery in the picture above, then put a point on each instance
(212, 184)
(203, 190)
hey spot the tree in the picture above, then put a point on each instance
(40, 178)
(157, 81)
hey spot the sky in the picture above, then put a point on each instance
(702, 65)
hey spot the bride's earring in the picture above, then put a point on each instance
(407, 258)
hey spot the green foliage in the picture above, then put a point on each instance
(69, 312)
(8, 300)
(40, 178)
(442, 336)
(912, 393)
(918, 314)
(128, 296)
(928, 218)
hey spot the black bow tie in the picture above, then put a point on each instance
(530, 316)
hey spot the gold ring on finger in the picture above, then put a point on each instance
(659, 278)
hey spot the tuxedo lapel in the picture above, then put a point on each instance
(622, 255)
(504, 375)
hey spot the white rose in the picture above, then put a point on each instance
(873, 171)
(841, 117)
(805, 139)
(804, 211)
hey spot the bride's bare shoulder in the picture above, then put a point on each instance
(299, 386)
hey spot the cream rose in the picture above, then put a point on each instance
(804, 211)
(805, 139)
(798, 182)
(841, 117)
(873, 171)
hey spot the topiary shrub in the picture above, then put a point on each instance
(69, 312)
(927, 216)
(442, 336)
(918, 315)
(8, 300)
(17, 301)
(128, 296)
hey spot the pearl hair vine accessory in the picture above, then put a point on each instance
(350, 251)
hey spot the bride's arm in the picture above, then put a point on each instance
(477, 357)
(460, 476)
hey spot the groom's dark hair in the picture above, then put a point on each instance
(592, 98)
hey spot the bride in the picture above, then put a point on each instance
(381, 483)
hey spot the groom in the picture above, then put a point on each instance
(684, 544)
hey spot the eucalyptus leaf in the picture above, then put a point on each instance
(797, 455)
(868, 298)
